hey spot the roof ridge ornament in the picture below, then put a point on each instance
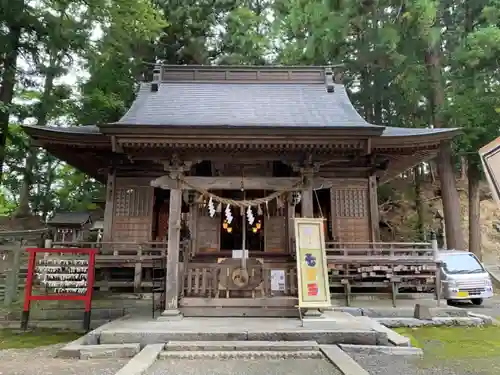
(157, 77)
(329, 81)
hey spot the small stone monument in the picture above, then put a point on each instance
(422, 312)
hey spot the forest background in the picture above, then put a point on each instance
(411, 63)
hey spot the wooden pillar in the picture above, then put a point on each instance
(374, 210)
(107, 232)
(173, 250)
(290, 225)
(193, 224)
(307, 201)
(176, 169)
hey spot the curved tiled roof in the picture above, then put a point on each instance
(82, 129)
(238, 104)
(390, 131)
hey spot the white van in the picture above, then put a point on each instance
(464, 277)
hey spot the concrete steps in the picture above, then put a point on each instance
(240, 350)
(354, 337)
(268, 354)
(184, 346)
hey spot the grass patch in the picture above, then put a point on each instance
(15, 339)
(454, 343)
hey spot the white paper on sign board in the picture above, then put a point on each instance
(278, 280)
(239, 254)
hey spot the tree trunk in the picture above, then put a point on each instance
(463, 168)
(23, 209)
(450, 198)
(7, 88)
(474, 176)
(419, 204)
(445, 165)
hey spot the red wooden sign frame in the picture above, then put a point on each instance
(86, 298)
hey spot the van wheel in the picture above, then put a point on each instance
(449, 302)
(477, 301)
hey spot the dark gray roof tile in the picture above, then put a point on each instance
(243, 104)
(82, 129)
(70, 218)
(409, 132)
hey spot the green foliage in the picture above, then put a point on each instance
(52, 36)
(384, 45)
(456, 343)
(10, 339)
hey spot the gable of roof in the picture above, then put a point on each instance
(70, 218)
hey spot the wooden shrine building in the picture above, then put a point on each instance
(217, 159)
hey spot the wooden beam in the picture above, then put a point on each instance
(401, 164)
(307, 201)
(235, 183)
(236, 156)
(115, 146)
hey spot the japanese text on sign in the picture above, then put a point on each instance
(311, 263)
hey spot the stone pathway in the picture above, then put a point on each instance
(402, 365)
(41, 361)
(489, 307)
(243, 367)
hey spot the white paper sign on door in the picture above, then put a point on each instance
(278, 280)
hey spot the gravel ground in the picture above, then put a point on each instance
(489, 307)
(41, 361)
(403, 365)
(243, 367)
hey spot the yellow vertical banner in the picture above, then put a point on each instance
(312, 270)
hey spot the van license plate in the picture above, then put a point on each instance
(463, 294)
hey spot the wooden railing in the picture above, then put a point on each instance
(379, 251)
(117, 256)
(230, 280)
(352, 267)
(13, 260)
(376, 266)
(121, 254)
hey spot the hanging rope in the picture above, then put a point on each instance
(242, 203)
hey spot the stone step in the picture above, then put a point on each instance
(356, 337)
(99, 351)
(380, 349)
(227, 346)
(233, 354)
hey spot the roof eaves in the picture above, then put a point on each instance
(83, 129)
(395, 132)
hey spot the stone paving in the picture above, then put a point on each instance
(244, 367)
(489, 307)
(41, 361)
(337, 327)
(404, 365)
